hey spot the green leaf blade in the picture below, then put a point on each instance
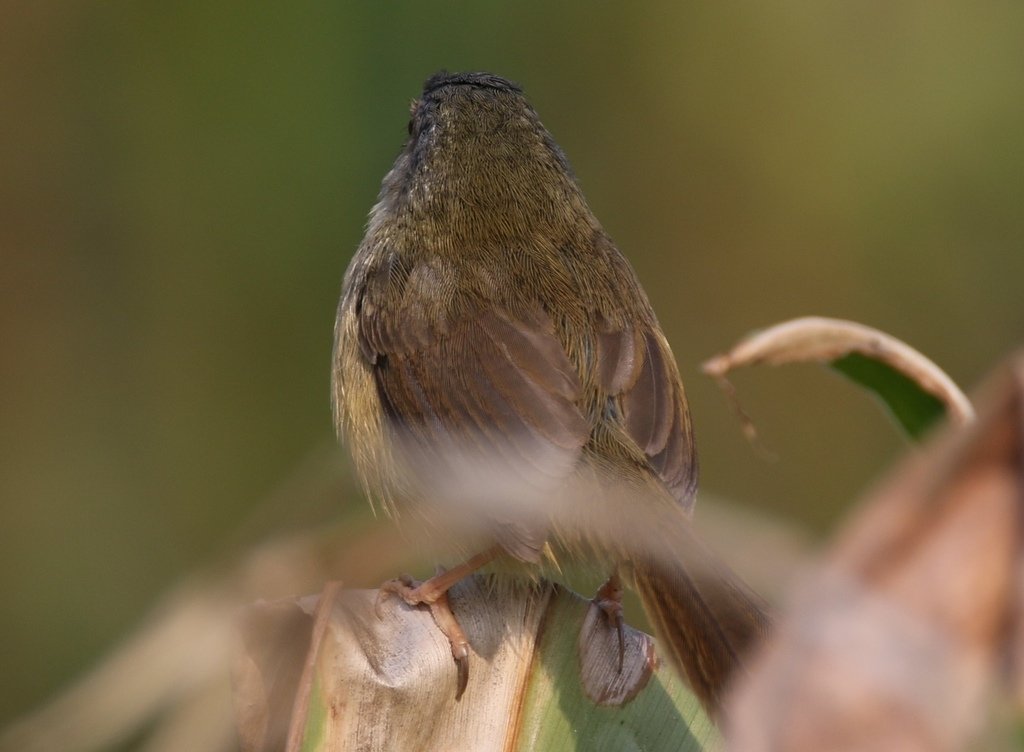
(915, 409)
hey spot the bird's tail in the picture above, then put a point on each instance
(707, 620)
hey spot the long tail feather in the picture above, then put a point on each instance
(707, 619)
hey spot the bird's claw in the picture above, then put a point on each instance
(423, 594)
(609, 599)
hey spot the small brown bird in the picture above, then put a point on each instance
(499, 369)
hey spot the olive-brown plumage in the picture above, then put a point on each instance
(487, 314)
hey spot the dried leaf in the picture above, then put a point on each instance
(268, 671)
(896, 639)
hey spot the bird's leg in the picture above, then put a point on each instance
(433, 594)
(609, 599)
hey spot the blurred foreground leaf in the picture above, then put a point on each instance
(388, 682)
(916, 391)
(166, 684)
(897, 640)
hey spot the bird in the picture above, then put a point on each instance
(499, 376)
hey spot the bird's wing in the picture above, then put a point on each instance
(484, 389)
(636, 368)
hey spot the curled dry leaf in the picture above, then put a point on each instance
(388, 682)
(604, 679)
(914, 388)
(894, 642)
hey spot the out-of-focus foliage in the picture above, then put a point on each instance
(912, 619)
(184, 183)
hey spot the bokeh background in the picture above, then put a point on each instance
(183, 185)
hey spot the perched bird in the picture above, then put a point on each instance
(500, 373)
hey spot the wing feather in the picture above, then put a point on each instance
(488, 386)
(635, 367)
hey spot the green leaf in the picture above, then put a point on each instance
(913, 408)
(558, 715)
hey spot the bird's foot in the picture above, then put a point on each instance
(433, 594)
(609, 599)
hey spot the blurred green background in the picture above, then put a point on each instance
(184, 183)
